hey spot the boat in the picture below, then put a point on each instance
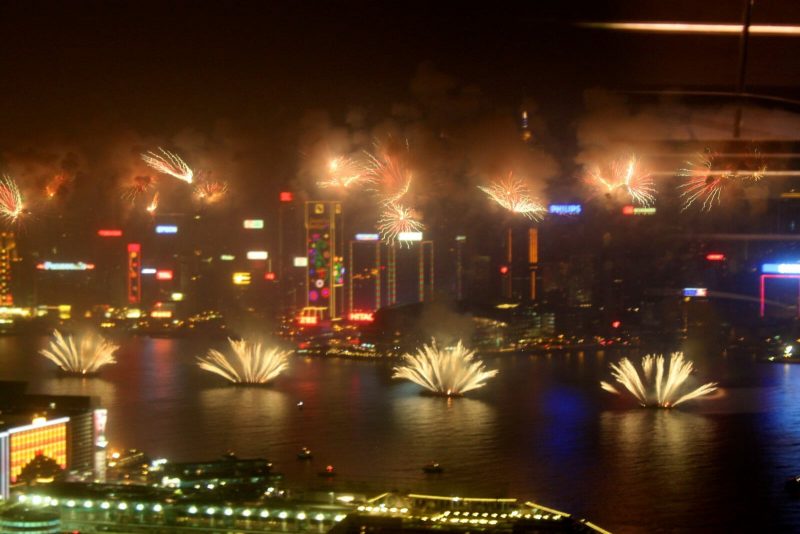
(329, 472)
(786, 356)
(433, 468)
(304, 454)
(793, 485)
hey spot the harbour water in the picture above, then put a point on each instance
(541, 430)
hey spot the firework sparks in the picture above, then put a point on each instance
(657, 387)
(624, 176)
(387, 169)
(153, 206)
(210, 191)
(450, 371)
(396, 220)
(11, 202)
(708, 178)
(344, 172)
(86, 357)
(513, 195)
(55, 184)
(168, 163)
(253, 363)
(141, 185)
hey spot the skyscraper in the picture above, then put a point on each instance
(325, 270)
(8, 253)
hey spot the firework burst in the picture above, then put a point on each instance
(85, 357)
(153, 206)
(396, 220)
(253, 363)
(625, 177)
(210, 191)
(513, 195)
(707, 178)
(11, 202)
(387, 169)
(450, 371)
(657, 387)
(139, 186)
(54, 185)
(166, 162)
(344, 172)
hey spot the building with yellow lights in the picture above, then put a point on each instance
(68, 430)
(8, 253)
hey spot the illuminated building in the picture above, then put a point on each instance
(69, 430)
(460, 241)
(364, 280)
(426, 272)
(8, 253)
(410, 272)
(134, 273)
(325, 270)
(26, 442)
(518, 272)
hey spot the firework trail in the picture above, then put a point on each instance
(153, 206)
(11, 202)
(657, 387)
(707, 178)
(450, 371)
(210, 192)
(168, 163)
(624, 176)
(140, 186)
(513, 195)
(52, 187)
(86, 357)
(344, 172)
(253, 364)
(396, 219)
(386, 168)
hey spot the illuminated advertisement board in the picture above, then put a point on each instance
(64, 266)
(253, 224)
(409, 236)
(100, 422)
(695, 292)
(257, 255)
(780, 268)
(367, 237)
(565, 209)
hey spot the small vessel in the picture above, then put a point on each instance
(433, 467)
(300, 405)
(304, 454)
(793, 485)
(329, 471)
(786, 356)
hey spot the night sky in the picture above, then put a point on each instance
(252, 89)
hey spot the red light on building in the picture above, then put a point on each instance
(627, 210)
(615, 324)
(286, 196)
(715, 256)
(269, 276)
(109, 233)
(307, 320)
(164, 275)
(361, 317)
(504, 269)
